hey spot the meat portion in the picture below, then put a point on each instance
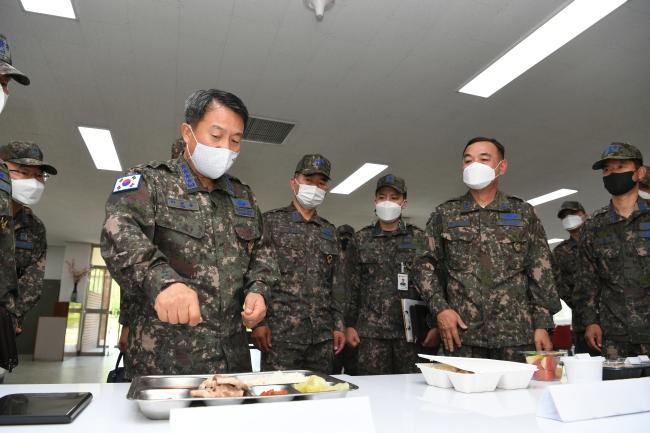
(220, 386)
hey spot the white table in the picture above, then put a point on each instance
(400, 404)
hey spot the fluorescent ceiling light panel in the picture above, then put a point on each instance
(58, 8)
(563, 27)
(551, 196)
(366, 172)
(101, 147)
(554, 241)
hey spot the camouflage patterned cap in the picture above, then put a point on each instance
(314, 163)
(25, 153)
(397, 183)
(570, 205)
(6, 67)
(178, 147)
(645, 181)
(618, 151)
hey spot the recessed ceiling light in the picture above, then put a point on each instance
(554, 33)
(58, 8)
(551, 196)
(101, 147)
(366, 172)
(554, 241)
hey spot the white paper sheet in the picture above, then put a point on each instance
(313, 416)
(582, 401)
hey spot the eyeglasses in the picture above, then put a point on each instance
(41, 177)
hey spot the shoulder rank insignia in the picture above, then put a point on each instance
(127, 183)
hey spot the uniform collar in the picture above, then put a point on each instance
(378, 232)
(612, 216)
(298, 218)
(192, 184)
(23, 217)
(500, 203)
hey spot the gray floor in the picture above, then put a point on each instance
(73, 369)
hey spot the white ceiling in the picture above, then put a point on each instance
(375, 81)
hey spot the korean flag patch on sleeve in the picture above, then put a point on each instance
(127, 183)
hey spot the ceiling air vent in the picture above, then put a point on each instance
(267, 130)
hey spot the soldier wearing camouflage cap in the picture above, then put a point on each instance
(28, 173)
(486, 272)
(381, 280)
(565, 267)
(613, 284)
(644, 185)
(8, 280)
(186, 239)
(304, 327)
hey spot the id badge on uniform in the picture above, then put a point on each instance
(402, 282)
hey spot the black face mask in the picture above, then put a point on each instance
(619, 183)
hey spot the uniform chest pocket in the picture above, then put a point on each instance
(247, 234)
(329, 250)
(459, 247)
(181, 221)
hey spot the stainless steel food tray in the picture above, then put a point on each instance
(158, 395)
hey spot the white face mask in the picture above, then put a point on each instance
(478, 176)
(310, 196)
(212, 162)
(3, 99)
(571, 222)
(388, 211)
(644, 195)
(26, 191)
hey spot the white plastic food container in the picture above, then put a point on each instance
(434, 376)
(488, 374)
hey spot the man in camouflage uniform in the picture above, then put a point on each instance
(614, 281)
(346, 361)
(8, 279)
(565, 267)
(380, 281)
(25, 162)
(187, 237)
(304, 327)
(488, 268)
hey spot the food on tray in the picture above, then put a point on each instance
(275, 378)
(220, 386)
(275, 392)
(451, 368)
(318, 384)
(547, 367)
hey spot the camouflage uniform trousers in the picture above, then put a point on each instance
(511, 353)
(622, 349)
(284, 355)
(174, 356)
(389, 356)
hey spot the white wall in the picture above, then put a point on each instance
(54, 264)
(80, 253)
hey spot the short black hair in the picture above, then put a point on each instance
(198, 103)
(499, 146)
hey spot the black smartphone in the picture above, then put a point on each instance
(42, 408)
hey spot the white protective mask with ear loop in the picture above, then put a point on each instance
(310, 196)
(211, 162)
(478, 175)
(388, 211)
(644, 195)
(27, 192)
(571, 222)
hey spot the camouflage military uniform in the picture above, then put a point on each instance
(614, 279)
(375, 309)
(303, 310)
(31, 247)
(492, 265)
(346, 361)
(8, 279)
(170, 229)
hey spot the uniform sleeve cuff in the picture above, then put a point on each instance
(158, 278)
